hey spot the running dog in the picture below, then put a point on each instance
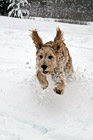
(52, 58)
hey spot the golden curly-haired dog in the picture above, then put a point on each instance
(52, 58)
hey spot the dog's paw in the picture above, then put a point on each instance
(59, 91)
(44, 86)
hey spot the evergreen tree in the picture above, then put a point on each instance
(4, 7)
(19, 8)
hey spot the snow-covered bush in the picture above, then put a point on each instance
(19, 8)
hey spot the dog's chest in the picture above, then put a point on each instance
(50, 81)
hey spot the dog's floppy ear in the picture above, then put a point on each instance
(58, 40)
(59, 35)
(36, 39)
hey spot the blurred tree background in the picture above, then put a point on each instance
(4, 7)
(81, 10)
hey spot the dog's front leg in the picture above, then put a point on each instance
(42, 80)
(59, 82)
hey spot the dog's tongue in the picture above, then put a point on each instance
(45, 72)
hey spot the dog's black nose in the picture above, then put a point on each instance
(44, 67)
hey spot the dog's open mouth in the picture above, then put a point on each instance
(45, 72)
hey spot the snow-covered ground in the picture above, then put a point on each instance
(27, 112)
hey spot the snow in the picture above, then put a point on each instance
(26, 111)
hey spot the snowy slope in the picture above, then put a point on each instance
(27, 112)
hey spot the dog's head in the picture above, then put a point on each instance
(46, 55)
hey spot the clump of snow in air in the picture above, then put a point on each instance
(26, 111)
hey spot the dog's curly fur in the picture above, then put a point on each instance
(52, 58)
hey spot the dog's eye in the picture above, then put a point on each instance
(41, 56)
(50, 57)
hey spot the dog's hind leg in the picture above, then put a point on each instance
(42, 80)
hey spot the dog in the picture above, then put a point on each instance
(52, 58)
